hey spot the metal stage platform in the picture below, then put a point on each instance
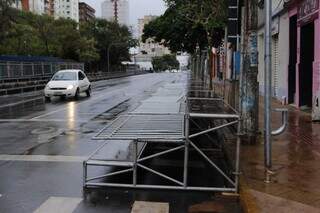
(172, 129)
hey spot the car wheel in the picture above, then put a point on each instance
(76, 96)
(47, 99)
(88, 92)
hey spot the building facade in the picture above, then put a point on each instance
(304, 55)
(55, 8)
(49, 7)
(116, 10)
(37, 6)
(295, 53)
(149, 47)
(279, 50)
(86, 12)
(34, 6)
(18, 5)
(66, 9)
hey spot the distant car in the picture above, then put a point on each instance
(67, 83)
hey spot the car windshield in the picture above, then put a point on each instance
(65, 76)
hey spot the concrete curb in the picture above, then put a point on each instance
(247, 200)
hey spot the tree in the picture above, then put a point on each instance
(188, 24)
(87, 51)
(111, 38)
(166, 62)
(25, 33)
(6, 16)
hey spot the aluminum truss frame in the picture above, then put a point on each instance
(134, 127)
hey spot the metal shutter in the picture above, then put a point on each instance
(275, 65)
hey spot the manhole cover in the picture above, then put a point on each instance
(45, 130)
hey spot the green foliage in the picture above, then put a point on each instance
(166, 62)
(187, 24)
(109, 36)
(24, 33)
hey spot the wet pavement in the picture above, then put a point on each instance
(295, 155)
(43, 145)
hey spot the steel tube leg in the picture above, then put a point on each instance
(135, 152)
(186, 153)
(84, 173)
(237, 166)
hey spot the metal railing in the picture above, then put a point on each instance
(20, 70)
(174, 131)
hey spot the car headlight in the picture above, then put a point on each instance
(47, 87)
(70, 87)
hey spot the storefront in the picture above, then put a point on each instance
(304, 57)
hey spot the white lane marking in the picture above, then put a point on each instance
(49, 113)
(43, 158)
(59, 204)
(43, 120)
(146, 207)
(75, 104)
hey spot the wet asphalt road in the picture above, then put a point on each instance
(42, 147)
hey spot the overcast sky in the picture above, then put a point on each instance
(138, 8)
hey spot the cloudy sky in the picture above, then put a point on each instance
(138, 8)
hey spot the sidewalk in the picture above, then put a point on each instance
(295, 157)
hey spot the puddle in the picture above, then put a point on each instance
(113, 112)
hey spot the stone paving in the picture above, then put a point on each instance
(295, 156)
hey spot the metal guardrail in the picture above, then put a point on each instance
(19, 70)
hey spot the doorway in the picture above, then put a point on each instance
(292, 59)
(306, 64)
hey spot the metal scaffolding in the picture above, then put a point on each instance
(172, 129)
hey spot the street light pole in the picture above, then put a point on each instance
(267, 91)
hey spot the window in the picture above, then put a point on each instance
(64, 76)
(81, 76)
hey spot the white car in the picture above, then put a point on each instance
(67, 83)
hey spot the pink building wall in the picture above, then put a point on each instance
(316, 62)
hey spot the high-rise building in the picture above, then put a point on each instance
(18, 4)
(86, 12)
(49, 7)
(116, 10)
(66, 9)
(55, 8)
(36, 6)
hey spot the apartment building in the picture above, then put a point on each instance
(86, 12)
(66, 9)
(116, 10)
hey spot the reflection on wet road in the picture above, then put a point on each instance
(56, 138)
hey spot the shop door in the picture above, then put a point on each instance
(292, 59)
(306, 68)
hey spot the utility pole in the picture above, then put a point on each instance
(249, 89)
(267, 91)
